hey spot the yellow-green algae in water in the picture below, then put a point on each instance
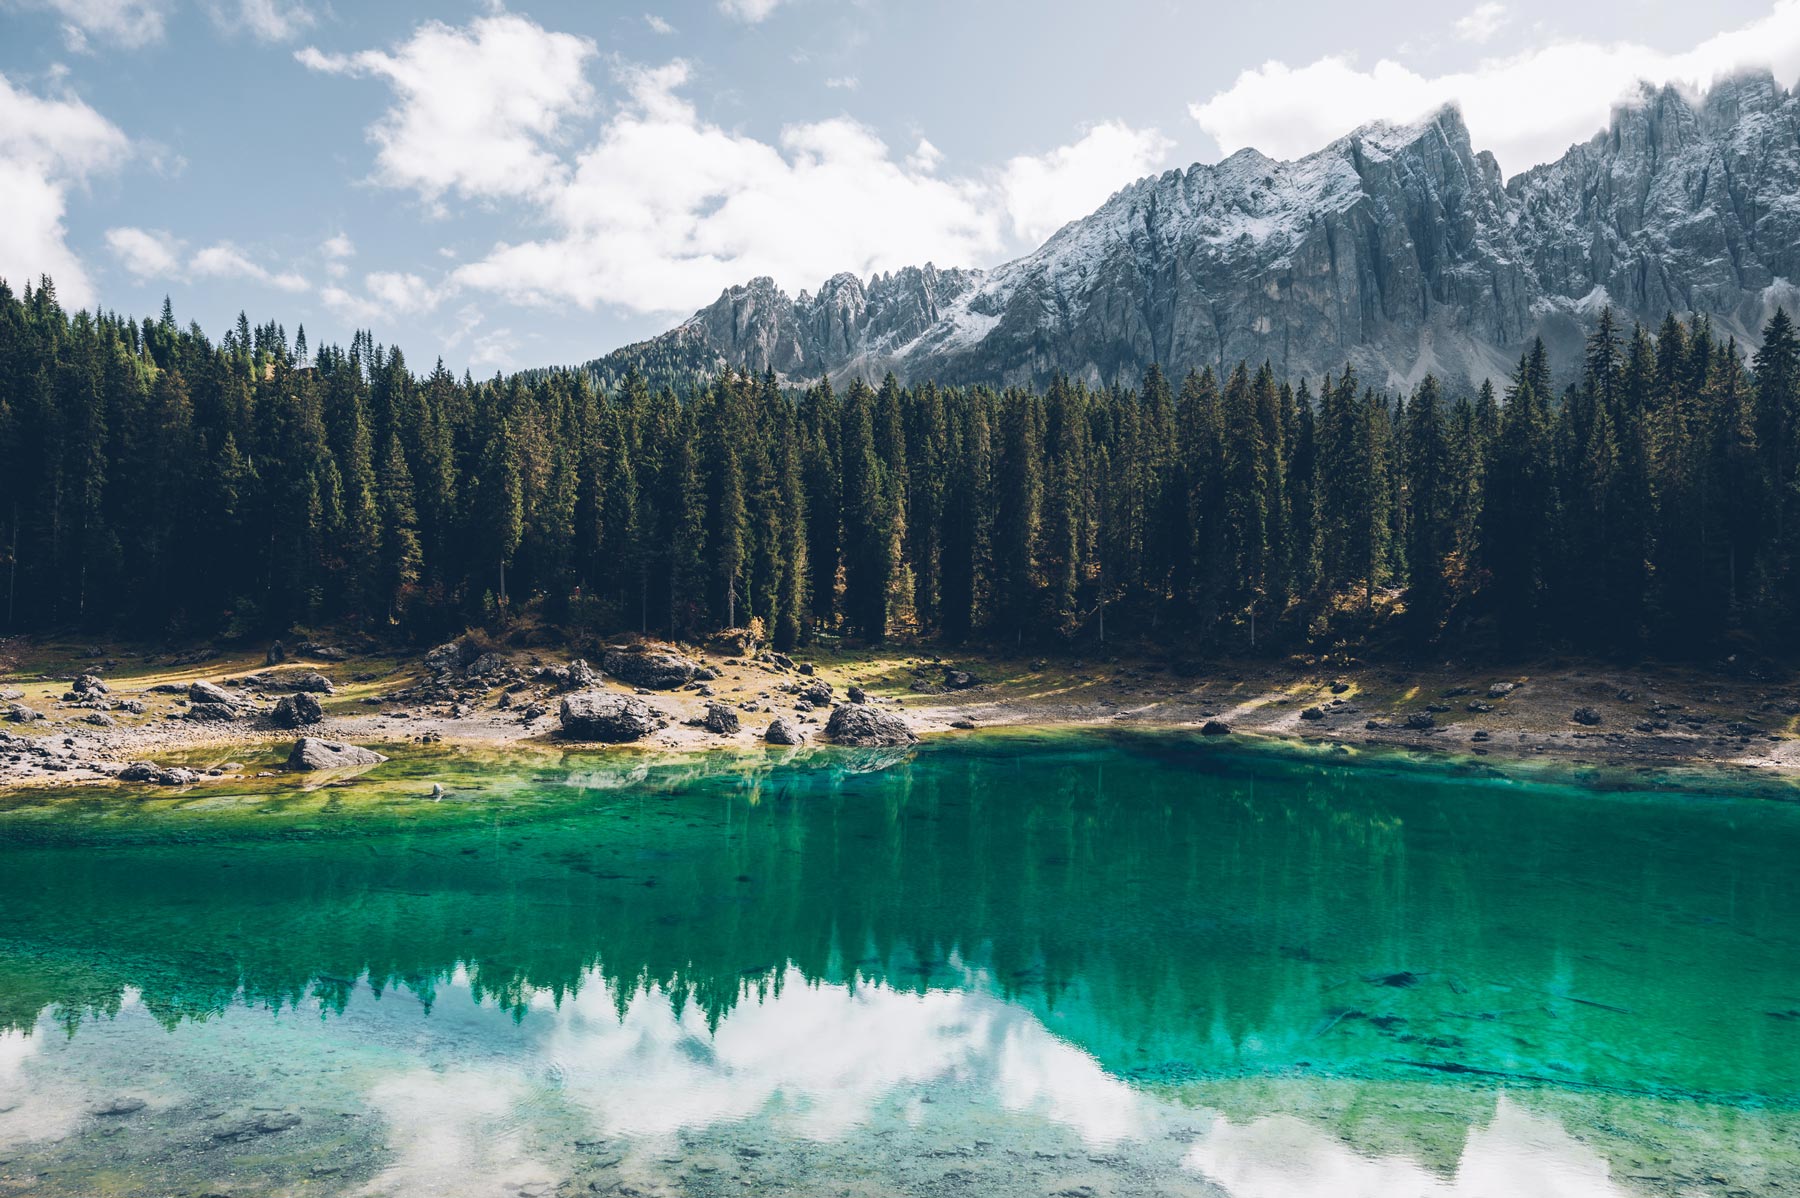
(1020, 963)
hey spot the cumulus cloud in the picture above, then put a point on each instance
(226, 261)
(1527, 108)
(48, 146)
(477, 110)
(385, 293)
(144, 253)
(667, 209)
(337, 250)
(1482, 22)
(750, 12)
(658, 25)
(662, 209)
(1045, 192)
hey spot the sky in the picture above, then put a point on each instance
(526, 183)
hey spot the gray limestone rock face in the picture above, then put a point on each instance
(1401, 250)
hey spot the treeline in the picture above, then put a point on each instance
(153, 482)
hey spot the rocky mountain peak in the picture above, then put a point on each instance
(1398, 247)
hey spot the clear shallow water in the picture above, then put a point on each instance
(1038, 965)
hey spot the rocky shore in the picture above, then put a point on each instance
(83, 715)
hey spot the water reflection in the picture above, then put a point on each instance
(1139, 962)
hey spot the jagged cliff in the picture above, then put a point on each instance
(1398, 247)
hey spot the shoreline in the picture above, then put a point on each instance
(1648, 717)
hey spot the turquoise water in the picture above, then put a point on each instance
(1125, 963)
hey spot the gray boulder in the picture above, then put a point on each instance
(862, 726)
(607, 717)
(783, 731)
(720, 719)
(447, 658)
(145, 771)
(312, 753)
(298, 710)
(18, 713)
(655, 669)
(206, 692)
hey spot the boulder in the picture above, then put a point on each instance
(1501, 689)
(577, 675)
(99, 719)
(145, 771)
(18, 713)
(655, 669)
(276, 655)
(858, 695)
(1418, 721)
(733, 642)
(603, 716)
(783, 731)
(310, 681)
(1312, 713)
(88, 685)
(1215, 728)
(206, 692)
(1586, 716)
(959, 680)
(862, 726)
(488, 665)
(312, 753)
(720, 719)
(211, 713)
(297, 710)
(447, 658)
(817, 692)
(322, 652)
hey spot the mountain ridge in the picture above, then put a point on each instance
(1398, 247)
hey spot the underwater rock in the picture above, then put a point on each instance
(312, 753)
(862, 726)
(601, 716)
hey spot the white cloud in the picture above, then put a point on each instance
(1482, 22)
(1044, 193)
(144, 253)
(1528, 108)
(46, 147)
(265, 20)
(337, 250)
(924, 158)
(385, 293)
(128, 23)
(666, 209)
(478, 110)
(848, 83)
(226, 261)
(658, 25)
(750, 12)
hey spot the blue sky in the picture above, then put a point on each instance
(542, 182)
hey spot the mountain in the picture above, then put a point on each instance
(1398, 247)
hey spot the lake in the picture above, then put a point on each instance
(1072, 964)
